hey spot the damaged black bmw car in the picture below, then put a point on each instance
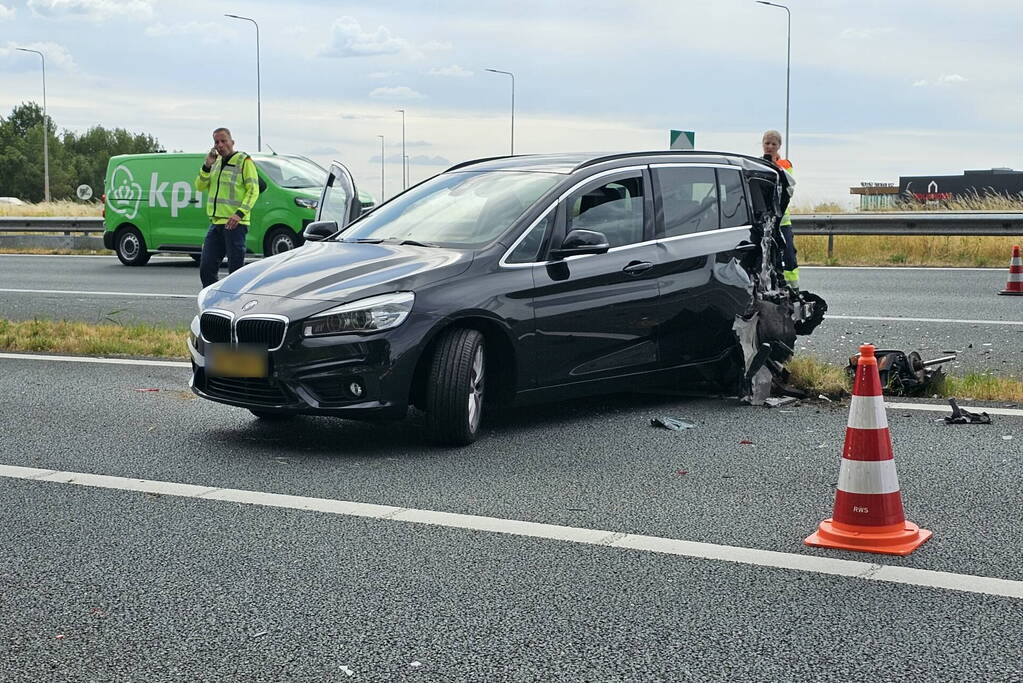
(508, 280)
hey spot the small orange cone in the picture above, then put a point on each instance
(1014, 286)
(868, 513)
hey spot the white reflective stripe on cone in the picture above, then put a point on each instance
(867, 412)
(868, 476)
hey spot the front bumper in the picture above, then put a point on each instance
(316, 377)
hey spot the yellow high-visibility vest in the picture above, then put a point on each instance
(231, 186)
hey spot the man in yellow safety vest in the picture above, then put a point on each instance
(772, 143)
(231, 185)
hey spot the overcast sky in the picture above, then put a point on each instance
(879, 88)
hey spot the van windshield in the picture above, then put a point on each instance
(461, 209)
(292, 172)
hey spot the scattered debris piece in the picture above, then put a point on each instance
(774, 402)
(346, 671)
(961, 417)
(822, 396)
(682, 473)
(745, 442)
(145, 389)
(415, 665)
(60, 636)
(1006, 437)
(578, 509)
(904, 374)
(671, 423)
(259, 635)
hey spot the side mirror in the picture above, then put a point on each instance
(317, 231)
(579, 242)
(262, 186)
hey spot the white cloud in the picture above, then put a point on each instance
(402, 92)
(944, 80)
(7, 12)
(437, 45)
(56, 55)
(206, 31)
(453, 71)
(347, 39)
(96, 10)
(864, 33)
(380, 75)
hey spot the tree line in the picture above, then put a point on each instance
(74, 158)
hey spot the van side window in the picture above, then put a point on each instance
(615, 209)
(733, 200)
(689, 199)
(527, 251)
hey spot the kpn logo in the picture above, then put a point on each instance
(126, 194)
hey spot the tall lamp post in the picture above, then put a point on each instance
(46, 131)
(403, 173)
(788, 68)
(259, 116)
(381, 168)
(509, 73)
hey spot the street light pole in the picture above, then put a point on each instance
(259, 106)
(403, 173)
(509, 73)
(381, 168)
(788, 70)
(46, 130)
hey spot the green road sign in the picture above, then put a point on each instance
(682, 139)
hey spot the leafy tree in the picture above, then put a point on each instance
(74, 158)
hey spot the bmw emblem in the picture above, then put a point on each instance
(250, 305)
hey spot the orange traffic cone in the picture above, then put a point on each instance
(868, 513)
(1014, 286)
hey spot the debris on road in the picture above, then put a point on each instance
(346, 670)
(745, 442)
(904, 374)
(671, 423)
(774, 402)
(961, 416)
(145, 389)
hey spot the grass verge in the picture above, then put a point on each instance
(59, 208)
(93, 340)
(899, 250)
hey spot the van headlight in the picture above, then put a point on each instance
(307, 203)
(367, 315)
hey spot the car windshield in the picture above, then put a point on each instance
(461, 209)
(292, 172)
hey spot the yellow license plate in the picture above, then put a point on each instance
(237, 361)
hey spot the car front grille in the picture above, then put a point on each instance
(215, 328)
(262, 331)
(247, 390)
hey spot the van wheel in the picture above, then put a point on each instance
(131, 247)
(454, 394)
(280, 240)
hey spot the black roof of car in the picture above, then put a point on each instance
(569, 163)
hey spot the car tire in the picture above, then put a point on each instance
(271, 416)
(279, 240)
(131, 247)
(455, 392)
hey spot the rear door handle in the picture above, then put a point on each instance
(637, 267)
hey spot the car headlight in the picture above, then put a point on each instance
(204, 294)
(368, 315)
(307, 203)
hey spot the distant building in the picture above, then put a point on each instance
(996, 181)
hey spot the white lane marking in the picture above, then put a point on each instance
(924, 320)
(94, 359)
(669, 546)
(106, 256)
(868, 476)
(154, 295)
(898, 268)
(932, 407)
(867, 412)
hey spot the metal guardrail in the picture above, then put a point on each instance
(65, 224)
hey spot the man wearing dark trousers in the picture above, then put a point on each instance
(231, 185)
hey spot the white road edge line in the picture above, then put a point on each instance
(868, 571)
(924, 320)
(898, 268)
(94, 359)
(153, 295)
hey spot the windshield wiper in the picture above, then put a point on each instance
(416, 243)
(363, 240)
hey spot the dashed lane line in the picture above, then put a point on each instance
(865, 571)
(924, 320)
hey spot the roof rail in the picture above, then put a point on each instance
(482, 159)
(663, 152)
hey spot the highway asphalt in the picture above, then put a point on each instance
(112, 585)
(956, 309)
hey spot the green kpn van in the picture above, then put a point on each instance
(151, 204)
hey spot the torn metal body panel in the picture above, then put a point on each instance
(777, 314)
(904, 374)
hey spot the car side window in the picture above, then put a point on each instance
(527, 251)
(689, 199)
(734, 212)
(614, 209)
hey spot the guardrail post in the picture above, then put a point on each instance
(831, 244)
